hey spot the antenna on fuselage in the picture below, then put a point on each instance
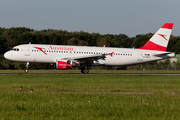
(29, 42)
(104, 46)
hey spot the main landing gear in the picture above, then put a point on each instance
(84, 70)
(27, 65)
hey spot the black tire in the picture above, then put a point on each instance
(82, 70)
(86, 71)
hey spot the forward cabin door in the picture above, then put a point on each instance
(27, 50)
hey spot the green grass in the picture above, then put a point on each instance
(70, 96)
(89, 106)
(90, 83)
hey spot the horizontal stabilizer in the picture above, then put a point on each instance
(163, 54)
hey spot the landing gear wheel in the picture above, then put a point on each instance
(26, 71)
(27, 65)
(84, 70)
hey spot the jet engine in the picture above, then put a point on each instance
(64, 64)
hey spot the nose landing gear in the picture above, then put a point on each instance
(27, 65)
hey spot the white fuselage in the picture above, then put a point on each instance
(53, 53)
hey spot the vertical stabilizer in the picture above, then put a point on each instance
(160, 39)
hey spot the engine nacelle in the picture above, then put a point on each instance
(63, 65)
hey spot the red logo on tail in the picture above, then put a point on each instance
(163, 36)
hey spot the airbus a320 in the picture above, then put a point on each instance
(66, 57)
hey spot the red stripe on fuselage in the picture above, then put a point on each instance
(40, 50)
(168, 26)
(152, 46)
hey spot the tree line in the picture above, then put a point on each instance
(10, 37)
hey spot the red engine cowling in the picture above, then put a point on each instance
(64, 65)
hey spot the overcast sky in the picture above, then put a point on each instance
(130, 17)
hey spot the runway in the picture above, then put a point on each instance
(90, 73)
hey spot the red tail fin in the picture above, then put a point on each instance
(160, 39)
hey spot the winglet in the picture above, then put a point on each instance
(111, 54)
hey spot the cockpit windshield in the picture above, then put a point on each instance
(15, 49)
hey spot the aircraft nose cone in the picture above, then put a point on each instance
(7, 55)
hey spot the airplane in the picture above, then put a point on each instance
(65, 57)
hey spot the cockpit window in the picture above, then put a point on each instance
(15, 49)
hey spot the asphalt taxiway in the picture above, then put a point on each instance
(93, 73)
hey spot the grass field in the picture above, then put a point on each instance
(92, 96)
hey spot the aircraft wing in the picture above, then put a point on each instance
(88, 58)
